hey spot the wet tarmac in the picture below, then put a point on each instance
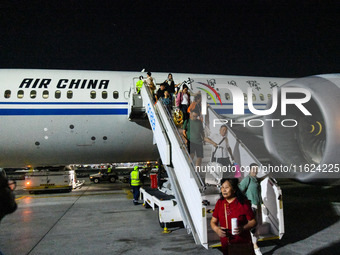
(101, 219)
(97, 219)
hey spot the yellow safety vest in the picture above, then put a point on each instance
(135, 178)
(139, 85)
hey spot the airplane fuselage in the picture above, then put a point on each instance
(58, 117)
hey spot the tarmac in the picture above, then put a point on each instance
(101, 219)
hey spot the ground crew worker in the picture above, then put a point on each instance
(109, 169)
(139, 84)
(135, 183)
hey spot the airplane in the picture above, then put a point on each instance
(62, 117)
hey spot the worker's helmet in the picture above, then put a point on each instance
(178, 117)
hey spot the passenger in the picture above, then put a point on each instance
(135, 183)
(7, 197)
(139, 84)
(171, 86)
(160, 92)
(194, 134)
(232, 204)
(223, 152)
(183, 101)
(252, 189)
(197, 104)
(167, 100)
(150, 83)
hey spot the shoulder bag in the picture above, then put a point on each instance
(238, 248)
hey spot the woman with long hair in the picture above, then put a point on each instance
(183, 101)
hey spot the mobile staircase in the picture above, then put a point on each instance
(189, 195)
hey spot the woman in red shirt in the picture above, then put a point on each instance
(232, 204)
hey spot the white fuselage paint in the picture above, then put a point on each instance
(37, 129)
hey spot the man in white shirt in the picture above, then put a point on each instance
(223, 152)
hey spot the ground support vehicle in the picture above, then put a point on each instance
(51, 181)
(103, 177)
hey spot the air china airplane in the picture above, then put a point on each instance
(59, 117)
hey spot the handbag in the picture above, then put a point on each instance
(238, 248)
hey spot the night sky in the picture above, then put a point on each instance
(262, 38)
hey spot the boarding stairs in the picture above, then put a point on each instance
(195, 198)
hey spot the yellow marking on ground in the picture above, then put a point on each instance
(19, 198)
(128, 193)
(268, 238)
(217, 245)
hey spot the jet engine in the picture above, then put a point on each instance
(310, 145)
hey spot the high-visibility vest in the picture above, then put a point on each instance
(139, 85)
(135, 178)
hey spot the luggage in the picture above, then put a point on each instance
(214, 170)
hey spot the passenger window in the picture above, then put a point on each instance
(115, 94)
(45, 94)
(7, 94)
(227, 96)
(69, 94)
(245, 96)
(262, 97)
(93, 94)
(57, 94)
(33, 94)
(104, 94)
(208, 97)
(269, 96)
(20, 94)
(254, 97)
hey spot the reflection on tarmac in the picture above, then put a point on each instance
(97, 219)
(101, 219)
